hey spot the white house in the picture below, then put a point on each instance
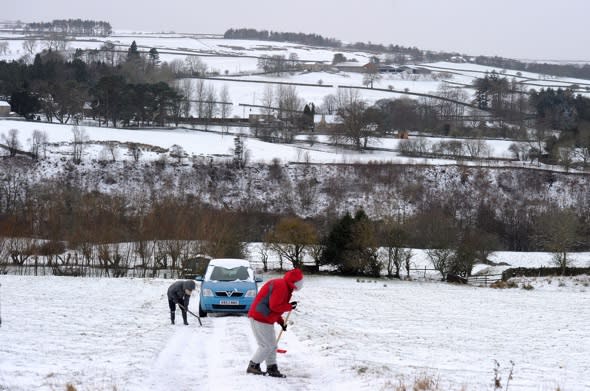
(4, 108)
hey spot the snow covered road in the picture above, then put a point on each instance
(346, 334)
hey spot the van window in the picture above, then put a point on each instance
(237, 273)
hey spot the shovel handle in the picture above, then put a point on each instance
(187, 310)
(281, 333)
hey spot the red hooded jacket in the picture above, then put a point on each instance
(273, 298)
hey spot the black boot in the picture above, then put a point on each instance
(254, 369)
(184, 318)
(172, 317)
(273, 371)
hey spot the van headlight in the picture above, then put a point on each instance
(251, 293)
(207, 292)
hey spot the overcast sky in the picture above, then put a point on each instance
(539, 29)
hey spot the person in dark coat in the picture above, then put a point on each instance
(268, 307)
(180, 293)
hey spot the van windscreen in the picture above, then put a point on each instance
(237, 273)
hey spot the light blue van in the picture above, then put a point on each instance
(228, 286)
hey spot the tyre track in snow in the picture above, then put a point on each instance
(178, 364)
(215, 357)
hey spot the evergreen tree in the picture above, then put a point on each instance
(132, 52)
(154, 58)
(351, 246)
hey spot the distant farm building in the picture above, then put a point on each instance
(414, 70)
(261, 118)
(351, 66)
(4, 108)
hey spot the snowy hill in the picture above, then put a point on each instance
(237, 61)
(312, 179)
(347, 333)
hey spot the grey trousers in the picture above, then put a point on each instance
(267, 342)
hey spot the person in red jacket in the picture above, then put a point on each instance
(268, 307)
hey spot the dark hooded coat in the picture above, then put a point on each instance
(176, 292)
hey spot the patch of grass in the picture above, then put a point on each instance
(71, 387)
(421, 383)
(527, 286)
(500, 284)
(425, 383)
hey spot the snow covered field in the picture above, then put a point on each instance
(346, 334)
(214, 143)
(236, 57)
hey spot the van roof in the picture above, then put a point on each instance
(229, 263)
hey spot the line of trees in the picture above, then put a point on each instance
(265, 35)
(70, 27)
(100, 231)
(114, 87)
(458, 226)
(581, 71)
(135, 91)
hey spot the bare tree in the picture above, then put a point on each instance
(291, 238)
(268, 100)
(109, 53)
(350, 110)
(289, 105)
(200, 96)
(263, 252)
(186, 89)
(329, 104)
(195, 66)
(78, 143)
(113, 149)
(537, 142)
(225, 108)
(56, 42)
(394, 238)
(135, 151)
(38, 139)
(451, 108)
(441, 259)
(177, 152)
(12, 142)
(177, 67)
(558, 232)
(293, 60)
(3, 48)
(477, 148)
(582, 152)
(272, 64)
(210, 106)
(371, 75)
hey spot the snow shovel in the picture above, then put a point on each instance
(281, 333)
(187, 310)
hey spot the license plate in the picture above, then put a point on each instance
(229, 302)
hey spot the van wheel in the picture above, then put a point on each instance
(202, 313)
